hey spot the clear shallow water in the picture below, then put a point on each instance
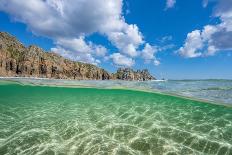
(219, 91)
(56, 120)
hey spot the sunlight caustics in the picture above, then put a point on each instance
(56, 120)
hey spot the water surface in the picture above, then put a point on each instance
(219, 91)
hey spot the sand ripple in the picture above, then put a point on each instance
(41, 120)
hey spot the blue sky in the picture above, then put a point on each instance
(174, 39)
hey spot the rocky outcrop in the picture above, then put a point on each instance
(16, 60)
(129, 74)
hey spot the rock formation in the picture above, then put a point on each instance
(129, 74)
(16, 60)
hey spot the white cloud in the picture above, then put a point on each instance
(75, 19)
(79, 50)
(199, 43)
(100, 51)
(148, 54)
(156, 62)
(170, 3)
(127, 39)
(212, 38)
(122, 60)
(192, 44)
(82, 57)
(79, 45)
(65, 18)
(76, 44)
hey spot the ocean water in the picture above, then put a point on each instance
(218, 91)
(37, 119)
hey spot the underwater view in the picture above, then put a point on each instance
(48, 119)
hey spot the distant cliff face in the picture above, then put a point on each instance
(17, 60)
(129, 74)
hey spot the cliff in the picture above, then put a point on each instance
(16, 60)
(129, 74)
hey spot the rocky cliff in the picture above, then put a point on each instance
(129, 74)
(16, 60)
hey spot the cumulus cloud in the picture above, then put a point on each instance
(79, 50)
(170, 4)
(69, 18)
(127, 39)
(82, 57)
(122, 60)
(67, 22)
(148, 53)
(100, 51)
(212, 38)
(192, 44)
(79, 45)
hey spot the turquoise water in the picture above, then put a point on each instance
(58, 120)
(219, 91)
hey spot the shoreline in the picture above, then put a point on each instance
(157, 80)
(38, 78)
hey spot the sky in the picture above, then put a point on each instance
(173, 39)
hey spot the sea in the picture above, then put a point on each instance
(48, 117)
